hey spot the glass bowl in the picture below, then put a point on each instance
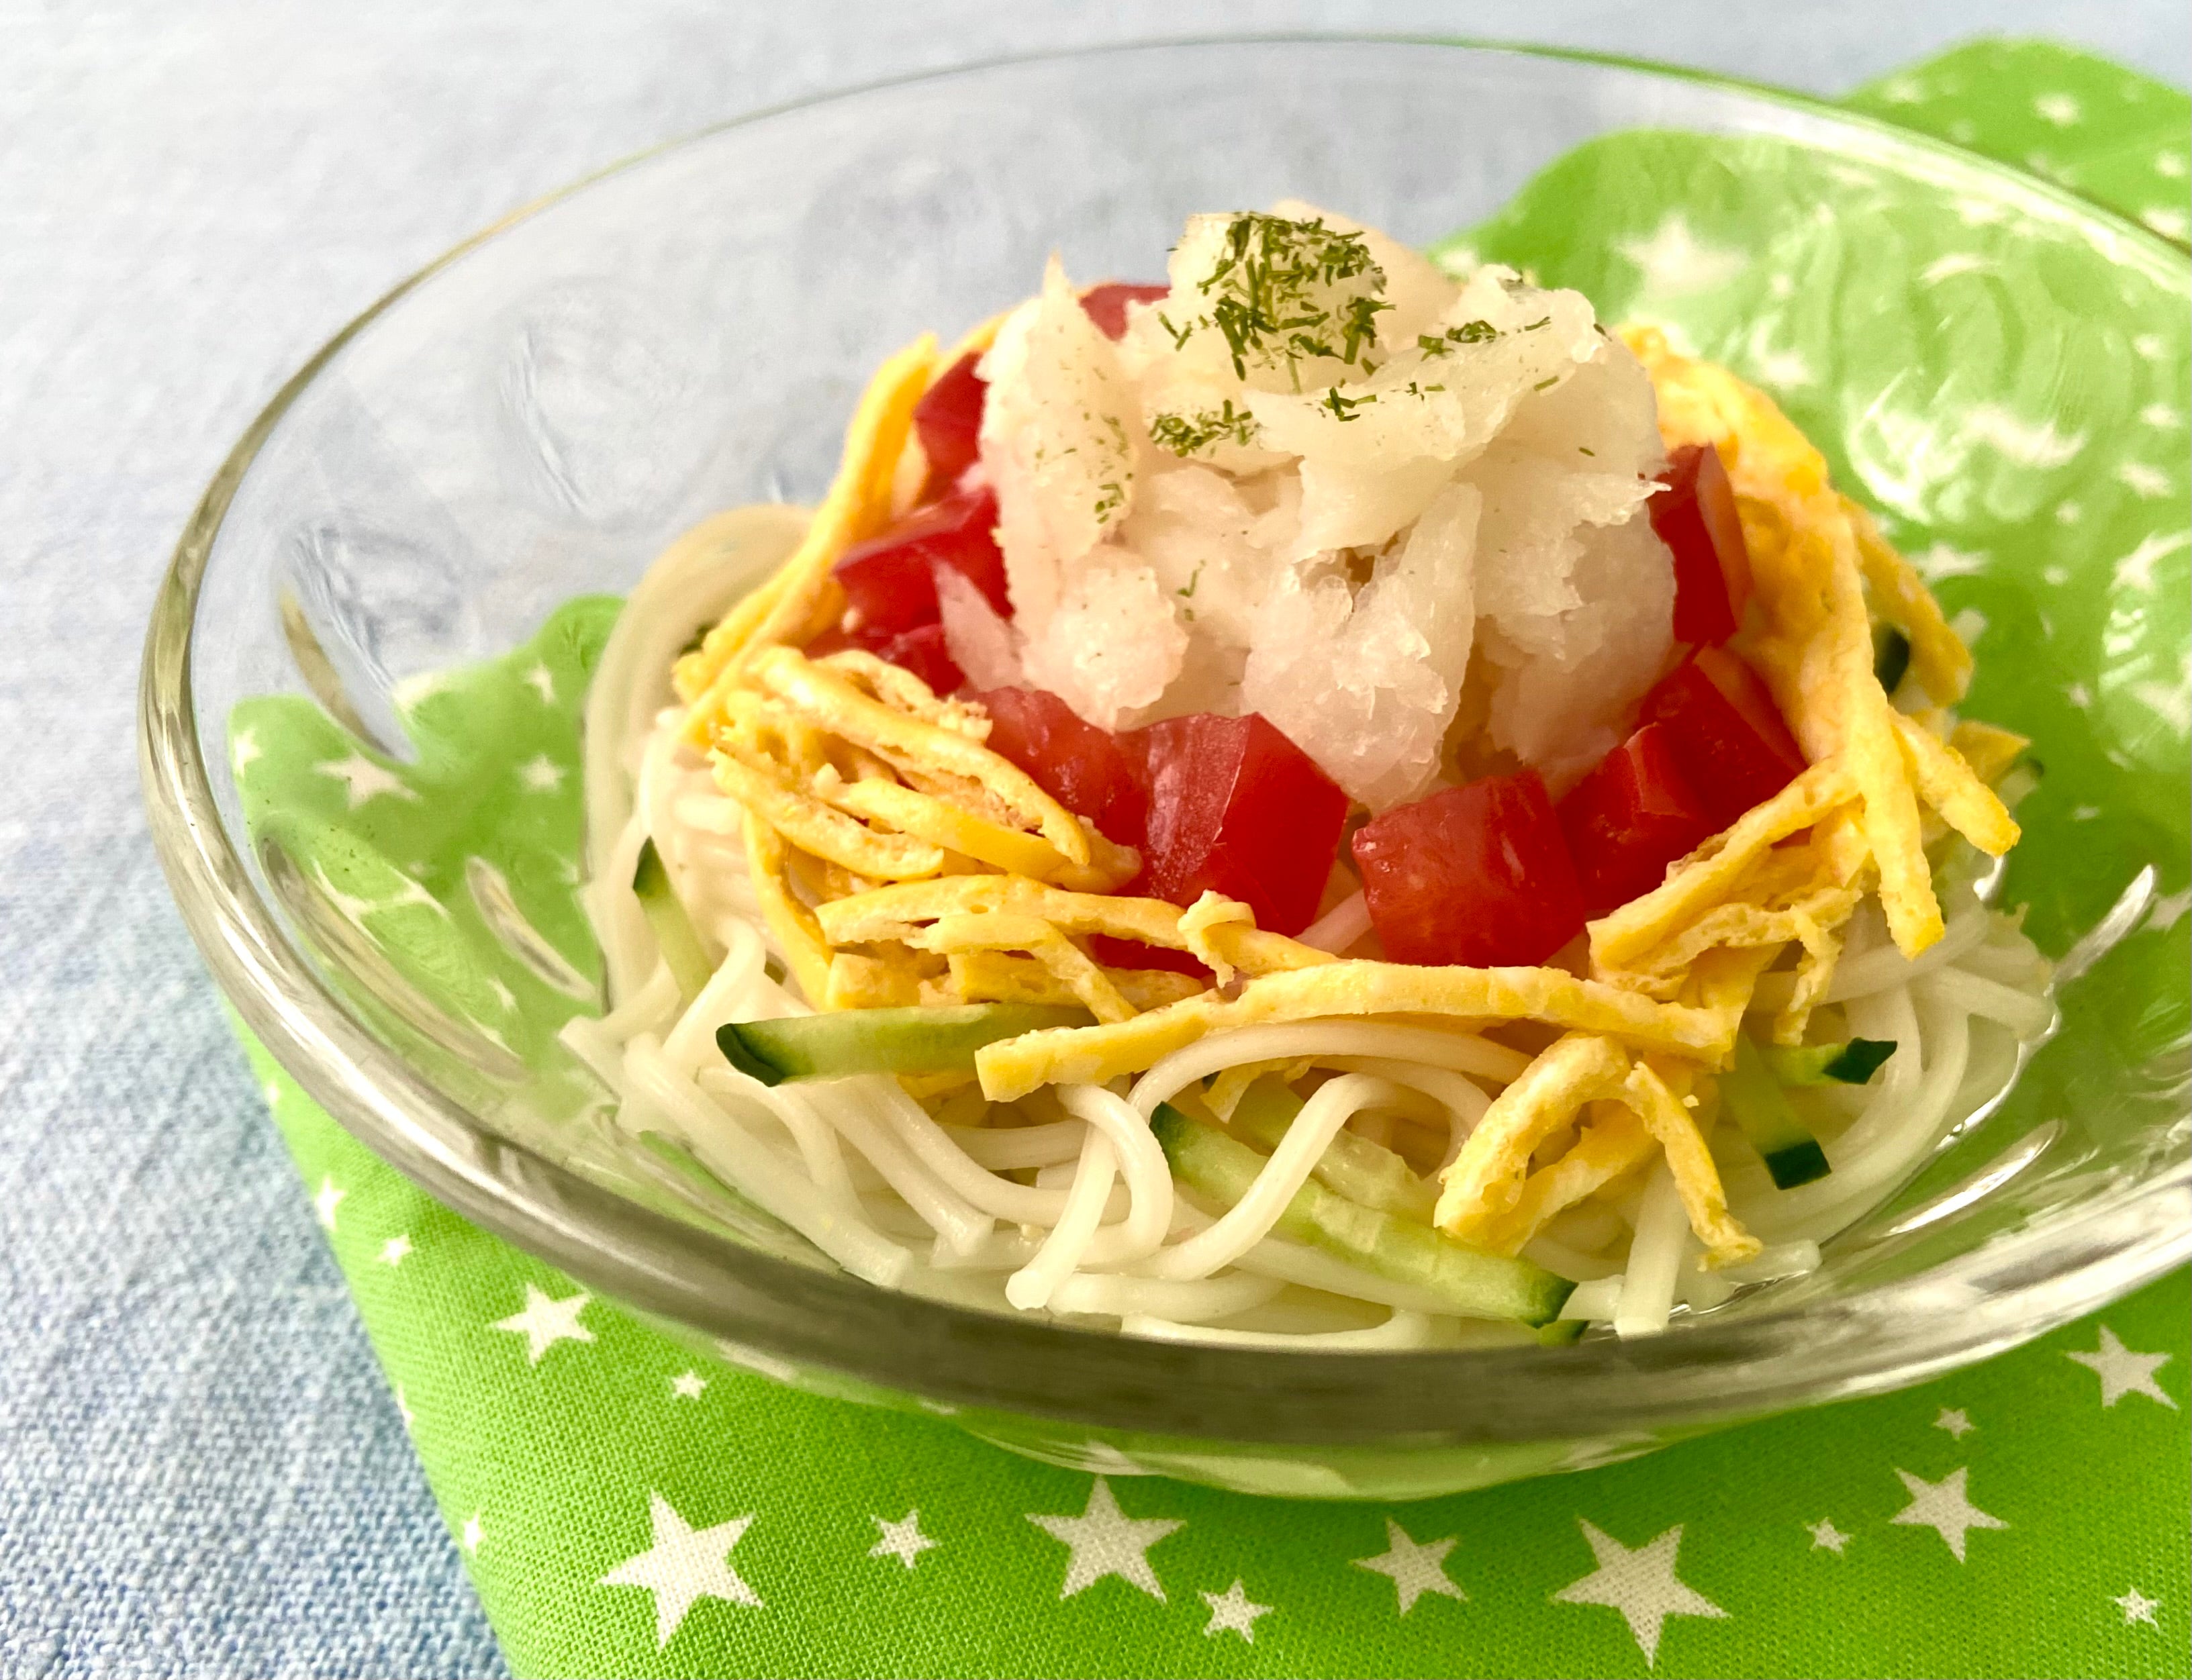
(536, 415)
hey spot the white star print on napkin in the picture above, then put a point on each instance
(902, 1539)
(546, 1321)
(1640, 1584)
(1414, 1568)
(1944, 1507)
(683, 1565)
(1233, 1611)
(2123, 1372)
(1106, 1541)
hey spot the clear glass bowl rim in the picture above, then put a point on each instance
(1701, 1373)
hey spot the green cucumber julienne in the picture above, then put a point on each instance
(682, 952)
(1751, 1094)
(1475, 1284)
(880, 1040)
(1853, 1064)
(1352, 1166)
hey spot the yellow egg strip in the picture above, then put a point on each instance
(792, 925)
(895, 686)
(1004, 930)
(1096, 1055)
(858, 506)
(1988, 751)
(1485, 1180)
(815, 828)
(887, 912)
(1614, 1142)
(828, 700)
(1965, 803)
(1704, 1199)
(856, 982)
(1938, 659)
(942, 823)
(999, 977)
(1711, 874)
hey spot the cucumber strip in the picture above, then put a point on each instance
(1891, 656)
(880, 1040)
(1470, 1283)
(1752, 1095)
(674, 936)
(1853, 1064)
(1351, 1165)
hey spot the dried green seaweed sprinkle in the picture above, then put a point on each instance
(1114, 498)
(1184, 435)
(1344, 407)
(1270, 294)
(1547, 382)
(1469, 333)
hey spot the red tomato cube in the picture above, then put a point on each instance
(923, 652)
(890, 581)
(1478, 875)
(1236, 808)
(1631, 816)
(948, 421)
(1726, 733)
(1082, 766)
(1106, 304)
(1696, 517)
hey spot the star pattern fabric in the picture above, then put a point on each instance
(1103, 1540)
(1944, 1507)
(2123, 1372)
(544, 1321)
(1233, 1611)
(1639, 1583)
(1414, 1570)
(902, 1539)
(683, 1565)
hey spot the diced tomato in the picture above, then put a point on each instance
(1079, 765)
(922, 651)
(1236, 808)
(1478, 875)
(1106, 304)
(948, 420)
(1131, 953)
(890, 581)
(1631, 816)
(1696, 517)
(1726, 733)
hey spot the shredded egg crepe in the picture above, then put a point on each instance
(1405, 520)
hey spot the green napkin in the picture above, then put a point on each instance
(626, 1507)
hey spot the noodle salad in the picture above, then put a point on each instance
(1322, 803)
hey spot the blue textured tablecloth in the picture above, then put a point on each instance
(201, 1470)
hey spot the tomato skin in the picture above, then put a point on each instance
(890, 581)
(1632, 815)
(1478, 875)
(1082, 768)
(1106, 304)
(1236, 808)
(948, 420)
(922, 650)
(1726, 733)
(1696, 517)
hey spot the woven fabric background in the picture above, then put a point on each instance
(202, 1469)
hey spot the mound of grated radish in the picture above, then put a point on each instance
(1402, 516)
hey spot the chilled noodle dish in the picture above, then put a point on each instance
(1323, 804)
